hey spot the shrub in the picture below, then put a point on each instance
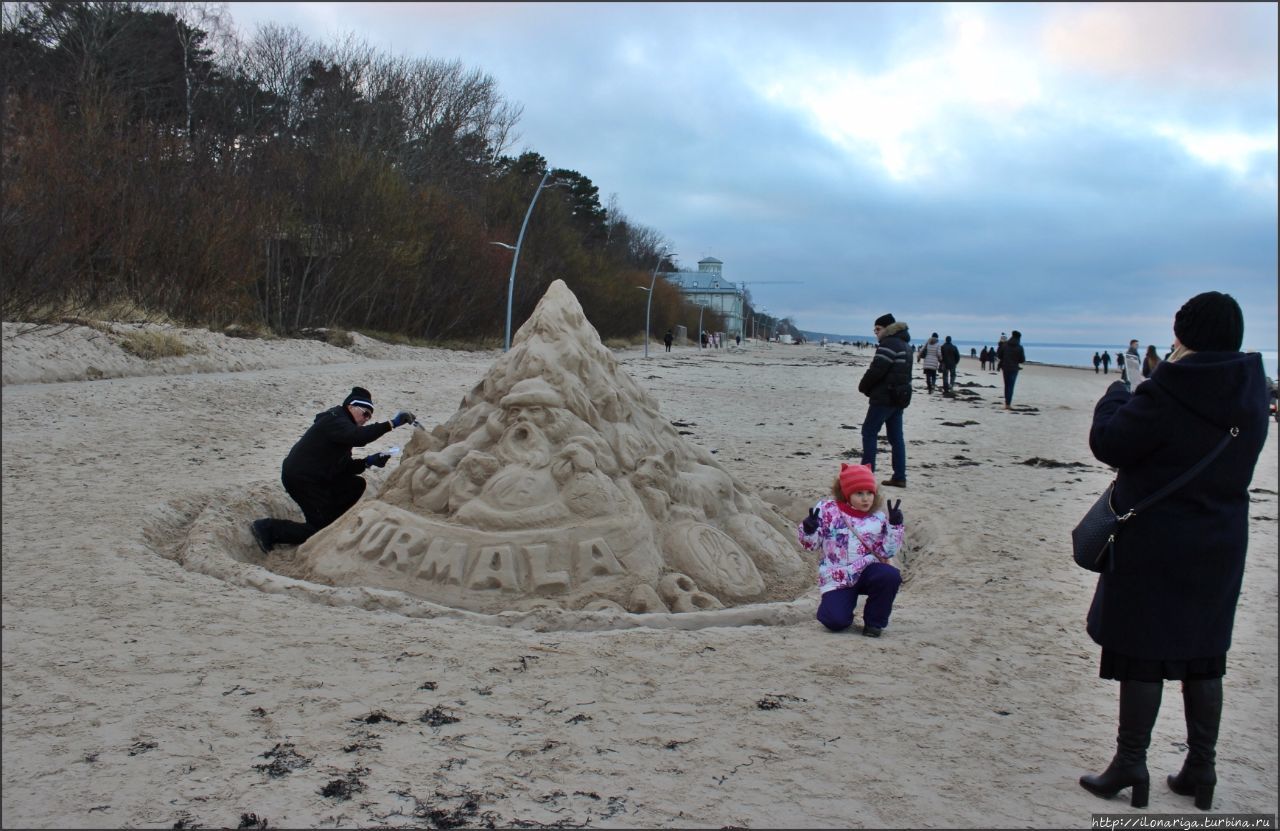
(333, 337)
(239, 330)
(152, 345)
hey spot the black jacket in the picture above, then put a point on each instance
(1179, 564)
(950, 355)
(891, 366)
(324, 451)
(1011, 355)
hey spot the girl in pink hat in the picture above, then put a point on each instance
(858, 535)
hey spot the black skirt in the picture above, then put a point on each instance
(1117, 667)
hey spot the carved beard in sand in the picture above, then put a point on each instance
(525, 441)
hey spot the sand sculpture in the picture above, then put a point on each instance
(558, 483)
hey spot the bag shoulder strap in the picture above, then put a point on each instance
(1183, 479)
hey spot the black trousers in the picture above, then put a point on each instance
(321, 504)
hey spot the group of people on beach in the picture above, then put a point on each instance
(1164, 609)
(1147, 364)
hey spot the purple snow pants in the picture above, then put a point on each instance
(879, 582)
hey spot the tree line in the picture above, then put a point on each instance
(153, 156)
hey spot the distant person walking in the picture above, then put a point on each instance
(1106, 362)
(997, 353)
(1124, 370)
(931, 357)
(1150, 361)
(1010, 356)
(1097, 362)
(950, 361)
(667, 339)
(887, 385)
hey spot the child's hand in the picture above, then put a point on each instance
(895, 515)
(811, 522)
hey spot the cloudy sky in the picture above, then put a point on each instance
(1074, 171)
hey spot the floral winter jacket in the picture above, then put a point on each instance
(850, 542)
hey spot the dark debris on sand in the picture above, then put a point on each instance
(343, 789)
(437, 716)
(284, 760)
(773, 701)
(1036, 461)
(377, 717)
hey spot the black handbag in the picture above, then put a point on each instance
(1093, 540)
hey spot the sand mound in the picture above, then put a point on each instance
(558, 484)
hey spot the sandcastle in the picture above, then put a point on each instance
(558, 483)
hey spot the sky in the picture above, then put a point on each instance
(1073, 171)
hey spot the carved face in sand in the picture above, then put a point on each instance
(530, 412)
(525, 441)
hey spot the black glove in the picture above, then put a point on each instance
(402, 417)
(895, 515)
(811, 522)
(376, 460)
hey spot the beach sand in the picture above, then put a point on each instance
(155, 675)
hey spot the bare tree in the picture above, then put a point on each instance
(277, 58)
(207, 31)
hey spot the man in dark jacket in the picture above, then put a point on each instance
(319, 472)
(950, 360)
(887, 383)
(1010, 356)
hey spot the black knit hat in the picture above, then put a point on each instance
(360, 397)
(1210, 322)
(885, 320)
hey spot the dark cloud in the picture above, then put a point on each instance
(1078, 207)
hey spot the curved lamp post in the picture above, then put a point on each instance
(511, 282)
(649, 305)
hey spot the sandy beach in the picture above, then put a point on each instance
(155, 674)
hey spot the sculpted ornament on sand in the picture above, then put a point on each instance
(557, 483)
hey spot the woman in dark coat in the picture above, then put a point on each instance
(1166, 609)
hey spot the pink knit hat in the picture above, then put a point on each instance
(854, 478)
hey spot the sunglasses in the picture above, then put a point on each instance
(367, 412)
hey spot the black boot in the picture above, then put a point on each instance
(1202, 701)
(1139, 706)
(261, 530)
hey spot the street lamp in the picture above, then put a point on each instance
(649, 305)
(511, 282)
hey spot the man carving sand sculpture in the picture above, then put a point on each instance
(319, 472)
(558, 483)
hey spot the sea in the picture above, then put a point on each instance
(1061, 354)
(1075, 354)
